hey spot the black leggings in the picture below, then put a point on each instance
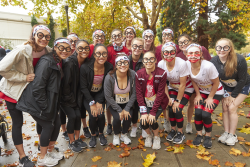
(155, 125)
(50, 131)
(203, 114)
(17, 123)
(74, 118)
(94, 122)
(83, 112)
(135, 112)
(62, 117)
(177, 118)
(117, 121)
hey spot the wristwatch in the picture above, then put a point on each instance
(92, 103)
(178, 101)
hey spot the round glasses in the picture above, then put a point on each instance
(140, 47)
(167, 52)
(114, 36)
(80, 48)
(167, 35)
(125, 62)
(99, 54)
(151, 60)
(62, 48)
(225, 48)
(185, 42)
(99, 36)
(40, 35)
(148, 37)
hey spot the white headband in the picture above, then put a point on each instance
(98, 31)
(72, 35)
(62, 41)
(194, 44)
(121, 58)
(168, 44)
(130, 27)
(147, 31)
(168, 31)
(40, 27)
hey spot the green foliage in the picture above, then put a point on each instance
(33, 20)
(64, 32)
(7, 44)
(52, 31)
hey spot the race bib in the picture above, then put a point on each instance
(175, 85)
(205, 87)
(150, 101)
(122, 98)
(230, 82)
(96, 88)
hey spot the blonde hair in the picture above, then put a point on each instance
(138, 39)
(231, 63)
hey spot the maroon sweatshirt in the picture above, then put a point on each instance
(160, 78)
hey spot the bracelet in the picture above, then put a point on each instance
(143, 109)
(92, 103)
(226, 94)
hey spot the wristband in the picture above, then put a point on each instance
(178, 101)
(92, 103)
(143, 109)
(226, 94)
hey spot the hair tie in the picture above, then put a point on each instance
(168, 31)
(194, 44)
(62, 41)
(130, 27)
(121, 58)
(168, 44)
(147, 31)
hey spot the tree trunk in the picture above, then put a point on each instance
(202, 25)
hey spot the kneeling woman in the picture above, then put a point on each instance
(151, 97)
(41, 99)
(209, 91)
(180, 89)
(71, 101)
(92, 75)
(119, 90)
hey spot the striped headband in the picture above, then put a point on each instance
(168, 31)
(72, 35)
(168, 44)
(97, 31)
(147, 31)
(62, 41)
(194, 44)
(40, 27)
(121, 58)
(130, 27)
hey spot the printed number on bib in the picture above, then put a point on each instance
(122, 98)
(205, 87)
(150, 101)
(96, 88)
(230, 82)
(175, 85)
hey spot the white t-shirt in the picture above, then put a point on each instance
(203, 79)
(180, 70)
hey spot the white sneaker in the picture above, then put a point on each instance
(125, 139)
(167, 126)
(133, 131)
(116, 140)
(231, 139)
(56, 155)
(47, 161)
(157, 143)
(144, 133)
(148, 141)
(203, 131)
(189, 129)
(223, 137)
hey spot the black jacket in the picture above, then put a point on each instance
(138, 65)
(40, 98)
(71, 94)
(87, 77)
(2, 55)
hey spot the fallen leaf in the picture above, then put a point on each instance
(96, 158)
(118, 149)
(14, 164)
(229, 164)
(87, 149)
(144, 149)
(240, 138)
(241, 142)
(245, 130)
(125, 164)
(133, 148)
(94, 166)
(247, 143)
(124, 154)
(245, 154)
(123, 145)
(127, 148)
(166, 144)
(217, 135)
(235, 152)
(67, 151)
(169, 148)
(67, 155)
(238, 164)
(214, 162)
(207, 158)
(82, 137)
(114, 164)
(107, 149)
(149, 160)
(26, 137)
(36, 143)
(141, 142)
(178, 150)
(34, 159)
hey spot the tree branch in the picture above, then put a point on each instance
(153, 23)
(135, 15)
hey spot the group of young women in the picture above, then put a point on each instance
(128, 76)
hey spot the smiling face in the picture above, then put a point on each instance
(99, 38)
(149, 60)
(40, 38)
(137, 48)
(122, 66)
(167, 37)
(83, 50)
(129, 34)
(63, 50)
(73, 41)
(169, 53)
(148, 39)
(194, 54)
(183, 43)
(223, 48)
(117, 37)
(101, 55)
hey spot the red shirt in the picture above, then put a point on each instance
(91, 47)
(205, 54)
(112, 54)
(158, 52)
(134, 64)
(150, 91)
(35, 60)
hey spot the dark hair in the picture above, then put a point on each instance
(96, 46)
(82, 40)
(56, 57)
(150, 52)
(114, 69)
(185, 35)
(110, 44)
(131, 29)
(31, 41)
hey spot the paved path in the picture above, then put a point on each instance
(163, 158)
